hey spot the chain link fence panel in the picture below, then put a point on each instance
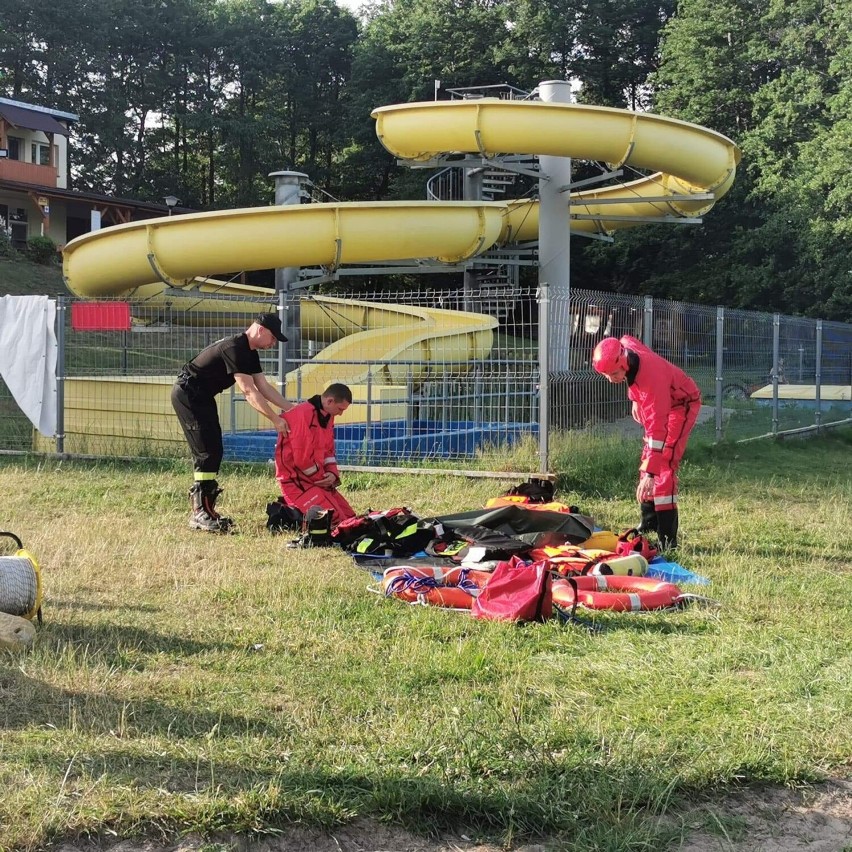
(439, 377)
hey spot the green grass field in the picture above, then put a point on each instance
(183, 681)
(21, 277)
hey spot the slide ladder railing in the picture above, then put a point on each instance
(496, 281)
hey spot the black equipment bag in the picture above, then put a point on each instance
(280, 517)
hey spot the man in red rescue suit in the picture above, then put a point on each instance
(305, 463)
(666, 403)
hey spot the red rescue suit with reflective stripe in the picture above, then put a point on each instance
(305, 456)
(666, 402)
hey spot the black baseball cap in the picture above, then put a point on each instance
(273, 323)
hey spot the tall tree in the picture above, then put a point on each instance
(769, 74)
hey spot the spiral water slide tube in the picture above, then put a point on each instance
(162, 260)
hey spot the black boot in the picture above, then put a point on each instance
(649, 518)
(204, 516)
(667, 530)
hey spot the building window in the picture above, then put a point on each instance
(14, 221)
(15, 146)
(40, 154)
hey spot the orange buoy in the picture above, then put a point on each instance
(454, 588)
(616, 592)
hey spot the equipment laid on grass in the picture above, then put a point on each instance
(390, 532)
(317, 524)
(634, 565)
(283, 518)
(517, 591)
(661, 569)
(632, 541)
(534, 570)
(616, 593)
(20, 583)
(454, 588)
(568, 560)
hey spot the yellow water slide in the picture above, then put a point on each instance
(388, 345)
(162, 260)
(686, 159)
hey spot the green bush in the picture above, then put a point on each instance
(41, 250)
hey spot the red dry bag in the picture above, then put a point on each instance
(516, 592)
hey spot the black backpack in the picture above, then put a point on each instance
(283, 518)
(536, 491)
(392, 532)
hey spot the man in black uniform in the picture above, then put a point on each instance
(216, 368)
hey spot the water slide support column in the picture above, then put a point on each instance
(472, 192)
(289, 189)
(554, 270)
(543, 385)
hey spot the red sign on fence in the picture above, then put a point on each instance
(109, 316)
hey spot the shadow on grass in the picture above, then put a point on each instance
(86, 606)
(587, 806)
(120, 646)
(780, 550)
(28, 703)
(656, 622)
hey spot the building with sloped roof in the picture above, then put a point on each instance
(35, 198)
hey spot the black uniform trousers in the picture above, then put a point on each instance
(199, 418)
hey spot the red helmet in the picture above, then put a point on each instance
(609, 356)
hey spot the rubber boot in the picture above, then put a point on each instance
(667, 523)
(204, 516)
(649, 518)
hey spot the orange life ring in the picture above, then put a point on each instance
(454, 587)
(616, 592)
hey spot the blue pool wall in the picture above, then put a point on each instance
(392, 440)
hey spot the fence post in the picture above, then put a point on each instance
(818, 375)
(409, 409)
(543, 296)
(648, 322)
(720, 356)
(477, 395)
(282, 352)
(369, 414)
(776, 357)
(507, 410)
(61, 312)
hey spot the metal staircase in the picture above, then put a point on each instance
(492, 279)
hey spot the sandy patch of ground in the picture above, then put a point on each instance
(814, 819)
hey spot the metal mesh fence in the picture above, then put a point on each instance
(438, 376)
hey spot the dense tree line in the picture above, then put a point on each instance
(203, 98)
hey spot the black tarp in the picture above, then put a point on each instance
(520, 522)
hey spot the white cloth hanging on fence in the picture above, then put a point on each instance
(28, 357)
